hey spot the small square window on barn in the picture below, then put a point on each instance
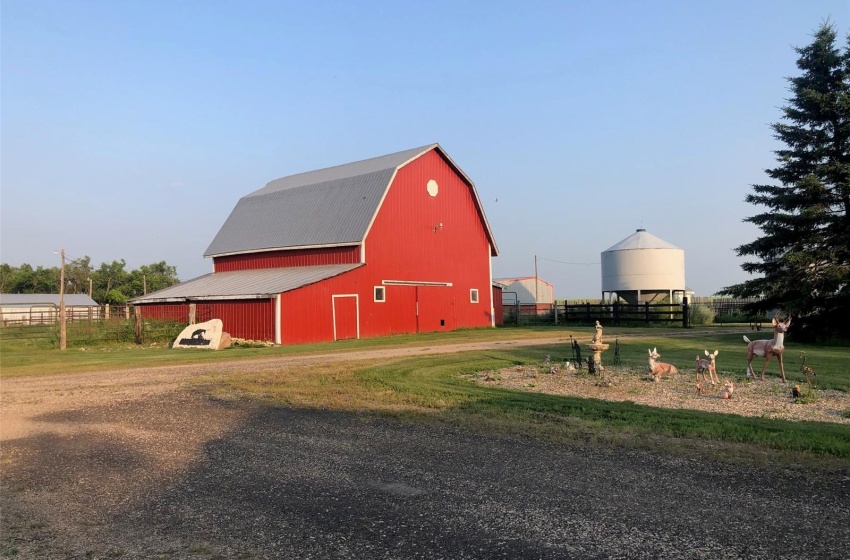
(473, 295)
(380, 294)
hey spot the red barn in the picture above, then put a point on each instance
(393, 244)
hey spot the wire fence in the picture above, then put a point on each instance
(85, 325)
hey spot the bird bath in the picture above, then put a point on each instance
(597, 347)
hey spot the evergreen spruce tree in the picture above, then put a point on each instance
(803, 256)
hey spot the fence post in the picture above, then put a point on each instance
(617, 313)
(686, 316)
(646, 311)
(587, 312)
(555, 308)
(137, 331)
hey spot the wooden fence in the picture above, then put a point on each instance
(624, 314)
(615, 314)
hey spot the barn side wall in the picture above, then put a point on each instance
(250, 319)
(287, 258)
(406, 243)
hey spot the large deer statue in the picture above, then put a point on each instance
(768, 348)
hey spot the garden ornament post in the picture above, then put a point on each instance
(767, 349)
(576, 349)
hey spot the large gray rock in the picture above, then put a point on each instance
(207, 336)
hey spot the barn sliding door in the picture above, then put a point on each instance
(346, 316)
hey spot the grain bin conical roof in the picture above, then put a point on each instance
(641, 239)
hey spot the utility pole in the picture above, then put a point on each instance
(536, 283)
(89, 287)
(62, 333)
(144, 285)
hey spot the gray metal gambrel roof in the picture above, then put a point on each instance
(332, 206)
(245, 284)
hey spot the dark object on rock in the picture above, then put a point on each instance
(576, 352)
(197, 339)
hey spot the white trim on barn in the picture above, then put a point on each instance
(492, 303)
(271, 249)
(278, 336)
(414, 283)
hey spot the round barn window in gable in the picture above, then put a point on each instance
(432, 187)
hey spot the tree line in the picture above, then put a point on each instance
(111, 283)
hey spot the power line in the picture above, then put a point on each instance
(564, 262)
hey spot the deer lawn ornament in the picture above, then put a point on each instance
(767, 349)
(708, 365)
(656, 368)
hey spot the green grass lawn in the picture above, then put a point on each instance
(830, 363)
(437, 388)
(41, 357)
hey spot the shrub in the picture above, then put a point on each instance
(739, 317)
(701, 315)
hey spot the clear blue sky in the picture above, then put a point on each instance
(130, 129)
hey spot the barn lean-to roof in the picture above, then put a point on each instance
(327, 207)
(245, 284)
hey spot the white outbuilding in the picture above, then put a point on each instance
(529, 290)
(643, 268)
(40, 309)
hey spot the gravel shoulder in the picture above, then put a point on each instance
(142, 464)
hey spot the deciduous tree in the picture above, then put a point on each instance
(111, 283)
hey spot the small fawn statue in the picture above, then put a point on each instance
(708, 365)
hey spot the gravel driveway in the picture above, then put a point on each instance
(144, 465)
